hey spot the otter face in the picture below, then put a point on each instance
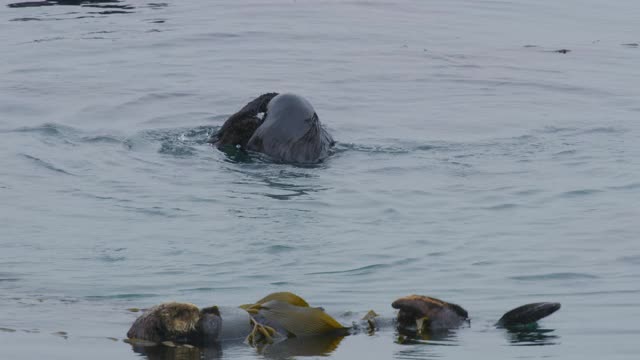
(180, 318)
(168, 321)
(209, 327)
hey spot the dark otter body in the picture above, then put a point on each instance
(290, 131)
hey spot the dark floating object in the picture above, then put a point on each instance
(631, 44)
(562, 51)
(289, 132)
(528, 314)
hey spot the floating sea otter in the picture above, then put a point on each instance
(284, 315)
(290, 130)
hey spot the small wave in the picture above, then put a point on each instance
(528, 192)
(120, 296)
(67, 134)
(211, 289)
(281, 283)
(176, 142)
(554, 276)
(46, 164)
(26, 19)
(277, 249)
(111, 258)
(578, 193)
(633, 259)
(506, 206)
(155, 210)
(603, 130)
(176, 149)
(102, 139)
(566, 153)
(556, 130)
(632, 186)
(357, 271)
(341, 147)
(574, 131)
(49, 129)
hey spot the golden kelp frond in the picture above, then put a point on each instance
(300, 321)
(284, 296)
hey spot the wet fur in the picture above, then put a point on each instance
(311, 148)
(178, 322)
(166, 322)
(245, 130)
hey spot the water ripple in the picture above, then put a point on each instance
(554, 276)
(46, 164)
(357, 271)
(579, 193)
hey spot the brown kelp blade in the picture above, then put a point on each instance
(528, 314)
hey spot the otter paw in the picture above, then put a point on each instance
(260, 334)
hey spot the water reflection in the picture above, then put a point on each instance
(531, 336)
(443, 337)
(309, 346)
(424, 346)
(161, 352)
(278, 183)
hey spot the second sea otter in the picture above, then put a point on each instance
(289, 132)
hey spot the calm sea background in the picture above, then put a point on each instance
(474, 163)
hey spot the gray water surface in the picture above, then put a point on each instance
(474, 163)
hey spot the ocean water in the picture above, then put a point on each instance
(475, 163)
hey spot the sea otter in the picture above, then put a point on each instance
(289, 132)
(284, 315)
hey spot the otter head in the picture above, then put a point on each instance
(179, 319)
(209, 325)
(166, 322)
